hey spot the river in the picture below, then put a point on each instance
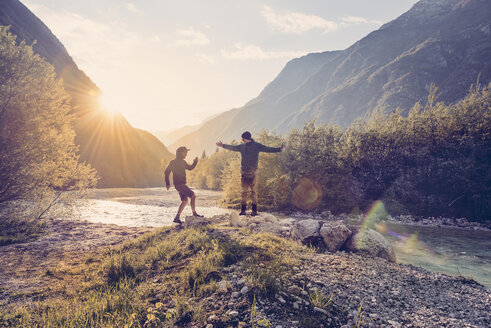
(452, 251)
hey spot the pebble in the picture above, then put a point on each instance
(223, 285)
(233, 313)
(244, 290)
(316, 309)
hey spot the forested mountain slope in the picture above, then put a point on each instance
(445, 42)
(122, 155)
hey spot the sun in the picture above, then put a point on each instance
(108, 103)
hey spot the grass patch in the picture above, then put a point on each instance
(115, 288)
(90, 308)
(318, 299)
(270, 260)
(14, 231)
(158, 279)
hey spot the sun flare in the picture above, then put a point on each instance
(108, 104)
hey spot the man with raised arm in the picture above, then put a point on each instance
(178, 167)
(249, 150)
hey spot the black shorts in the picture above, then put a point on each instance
(184, 191)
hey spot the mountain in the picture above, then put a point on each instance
(122, 155)
(445, 42)
(170, 136)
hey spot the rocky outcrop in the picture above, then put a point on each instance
(265, 223)
(371, 242)
(334, 235)
(307, 230)
(331, 235)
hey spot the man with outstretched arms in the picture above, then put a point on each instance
(249, 150)
(178, 167)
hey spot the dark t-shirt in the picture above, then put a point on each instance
(250, 153)
(178, 168)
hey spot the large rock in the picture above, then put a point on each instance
(307, 230)
(371, 242)
(236, 220)
(193, 221)
(334, 235)
(265, 223)
(286, 226)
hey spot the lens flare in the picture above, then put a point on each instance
(373, 220)
(410, 244)
(307, 195)
(375, 214)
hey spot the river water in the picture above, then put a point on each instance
(448, 250)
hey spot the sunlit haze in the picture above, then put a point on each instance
(164, 64)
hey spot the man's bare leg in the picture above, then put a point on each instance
(193, 206)
(179, 211)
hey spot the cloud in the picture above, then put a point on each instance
(84, 38)
(131, 7)
(207, 59)
(354, 19)
(296, 23)
(349, 20)
(244, 51)
(192, 38)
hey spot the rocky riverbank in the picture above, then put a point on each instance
(341, 289)
(362, 291)
(460, 223)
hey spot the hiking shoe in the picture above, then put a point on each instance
(243, 210)
(177, 220)
(254, 210)
(198, 215)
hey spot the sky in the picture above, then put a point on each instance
(164, 64)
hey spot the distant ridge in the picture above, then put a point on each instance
(122, 155)
(446, 42)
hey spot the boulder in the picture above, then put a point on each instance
(265, 217)
(290, 222)
(193, 221)
(371, 242)
(307, 230)
(334, 235)
(266, 226)
(238, 221)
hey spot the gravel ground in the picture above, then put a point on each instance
(367, 292)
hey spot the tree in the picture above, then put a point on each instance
(38, 157)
